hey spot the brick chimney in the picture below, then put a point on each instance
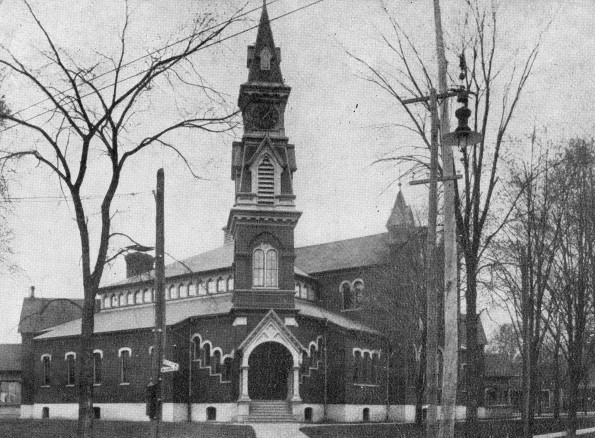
(138, 263)
(32, 292)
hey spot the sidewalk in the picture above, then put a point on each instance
(561, 434)
(277, 430)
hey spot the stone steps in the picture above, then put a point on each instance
(270, 412)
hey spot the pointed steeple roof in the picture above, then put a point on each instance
(264, 58)
(401, 216)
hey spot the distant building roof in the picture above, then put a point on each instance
(481, 334)
(401, 215)
(39, 314)
(140, 317)
(10, 357)
(497, 365)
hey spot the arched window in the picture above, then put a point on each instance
(313, 357)
(183, 290)
(196, 348)
(347, 295)
(367, 372)
(264, 266)
(265, 59)
(217, 362)
(46, 359)
(202, 290)
(266, 181)
(358, 291)
(192, 289)
(211, 286)
(221, 283)
(122, 299)
(147, 296)
(115, 300)
(168, 293)
(230, 284)
(130, 300)
(124, 365)
(138, 297)
(227, 369)
(97, 359)
(70, 369)
(357, 372)
(206, 355)
(305, 363)
(375, 368)
(297, 289)
(106, 302)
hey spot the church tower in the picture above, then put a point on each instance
(263, 217)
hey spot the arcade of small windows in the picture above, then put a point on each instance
(124, 369)
(352, 294)
(264, 267)
(312, 359)
(305, 291)
(366, 367)
(185, 289)
(212, 359)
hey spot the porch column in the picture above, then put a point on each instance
(296, 385)
(244, 384)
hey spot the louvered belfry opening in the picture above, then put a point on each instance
(266, 181)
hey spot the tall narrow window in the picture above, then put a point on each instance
(357, 372)
(266, 181)
(138, 297)
(230, 284)
(124, 366)
(196, 348)
(70, 369)
(258, 268)
(114, 300)
(206, 360)
(97, 356)
(347, 295)
(297, 289)
(264, 267)
(47, 369)
(265, 59)
(106, 302)
(211, 286)
(192, 288)
(221, 284)
(130, 299)
(202, 290)
(227, 369)
(358, 291)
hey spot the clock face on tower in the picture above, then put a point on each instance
(264, 116)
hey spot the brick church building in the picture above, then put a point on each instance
(260, 329)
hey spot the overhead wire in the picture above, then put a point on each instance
(156, 51)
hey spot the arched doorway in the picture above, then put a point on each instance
(270, 365)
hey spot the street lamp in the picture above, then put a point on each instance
(462, 135)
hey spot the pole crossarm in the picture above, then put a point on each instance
(439, 96)
(443, 179)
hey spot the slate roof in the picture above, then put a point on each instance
(140, 317)
(214, 260)
(143, 316)
(38, 314)
(343, 254)
(10, 357)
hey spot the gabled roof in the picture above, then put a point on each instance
(268, 328)
(143, 316)
(344, 254)
(38, 314)
(401, 215)
(10, 357)
(313, 311)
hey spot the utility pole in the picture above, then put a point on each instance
(159, 332)
(451, 293)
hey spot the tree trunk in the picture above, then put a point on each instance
(556, 407)
(574, 379)
(473, 352)
(86, 414)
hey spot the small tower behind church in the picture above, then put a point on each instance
(263, 217)
(401, 221)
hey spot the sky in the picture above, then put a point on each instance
(333, 118)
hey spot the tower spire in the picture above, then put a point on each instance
(264, 58)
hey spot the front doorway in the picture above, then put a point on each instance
(270, 365)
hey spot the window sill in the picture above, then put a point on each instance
(96, 384)
(351, 310)
(367, 385)
(70, 386)
(124, 383)
(45, 386)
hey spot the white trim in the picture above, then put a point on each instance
(100, 353)
(365, 350)
(128, 349)
(48, 355)
(240, 320)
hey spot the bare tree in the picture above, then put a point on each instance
(573, 289)
(522, 259)
(409, 77)
(96, 107)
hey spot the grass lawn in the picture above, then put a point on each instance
(488, 429)
(120, 429)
